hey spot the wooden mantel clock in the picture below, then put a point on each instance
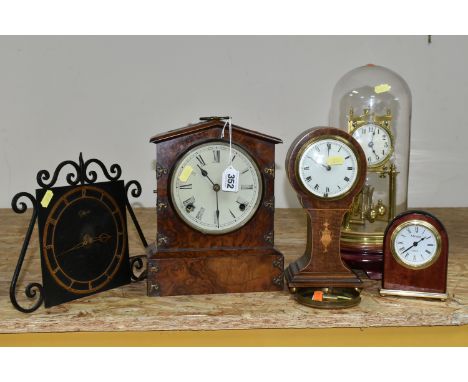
(415, 256)
(210, 240)
(327, 168)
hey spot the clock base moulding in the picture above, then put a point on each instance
(410, 293)
(173, 273)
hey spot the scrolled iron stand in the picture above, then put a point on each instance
(79, 175)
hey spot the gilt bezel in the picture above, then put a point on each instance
(413, 222)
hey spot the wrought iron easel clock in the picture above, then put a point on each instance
(82, 233)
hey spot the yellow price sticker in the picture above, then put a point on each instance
(185, 174)
(47, 198)
(382, 88)
(333, 160)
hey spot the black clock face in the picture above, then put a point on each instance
(84, 239)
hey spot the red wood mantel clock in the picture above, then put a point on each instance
(212, 239)
(415, 256)
(327, 168)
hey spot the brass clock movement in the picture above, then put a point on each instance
(415, 256)
(326, 167)
(371, 207)
(214, 234)
(373, 104)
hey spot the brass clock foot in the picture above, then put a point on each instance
(329, 298)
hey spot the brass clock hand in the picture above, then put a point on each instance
(102, 238)
(77, 246)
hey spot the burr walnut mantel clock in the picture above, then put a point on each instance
(415, 256)
(326, 167)
(211, 239)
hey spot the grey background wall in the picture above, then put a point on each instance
(105, 96)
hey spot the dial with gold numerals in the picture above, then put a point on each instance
(376, 143)
(196, 190)
(84, 239)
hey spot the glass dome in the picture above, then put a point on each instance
(373, 104)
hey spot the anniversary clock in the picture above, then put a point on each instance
(373, 104)
(82, 233)
(215, 210)
(326, 167)
(415, 256)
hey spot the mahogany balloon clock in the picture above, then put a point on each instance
(326, 167)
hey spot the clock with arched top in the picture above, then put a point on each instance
(212, 239)
(415, 256)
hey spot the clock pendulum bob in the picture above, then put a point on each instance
(210, 240)
(372, 209)
(326, 167)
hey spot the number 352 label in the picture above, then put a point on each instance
(230, 180)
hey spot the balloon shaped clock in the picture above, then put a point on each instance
(326, 167)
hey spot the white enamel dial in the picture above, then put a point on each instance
(328, 168)
(196, 188)
(376, 143)
(415, 244)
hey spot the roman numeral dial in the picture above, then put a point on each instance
(415, 244)
(328, 168)
(197, 194)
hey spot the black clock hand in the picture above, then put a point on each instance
(327, 166)
(415, 244)
(205, 174)
(371, 145)
(217, 208)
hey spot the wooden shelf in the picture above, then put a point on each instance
(128, 308)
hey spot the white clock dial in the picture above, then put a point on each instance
(328, 168)
(376, 143)
(415, 244)
(196, 188)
